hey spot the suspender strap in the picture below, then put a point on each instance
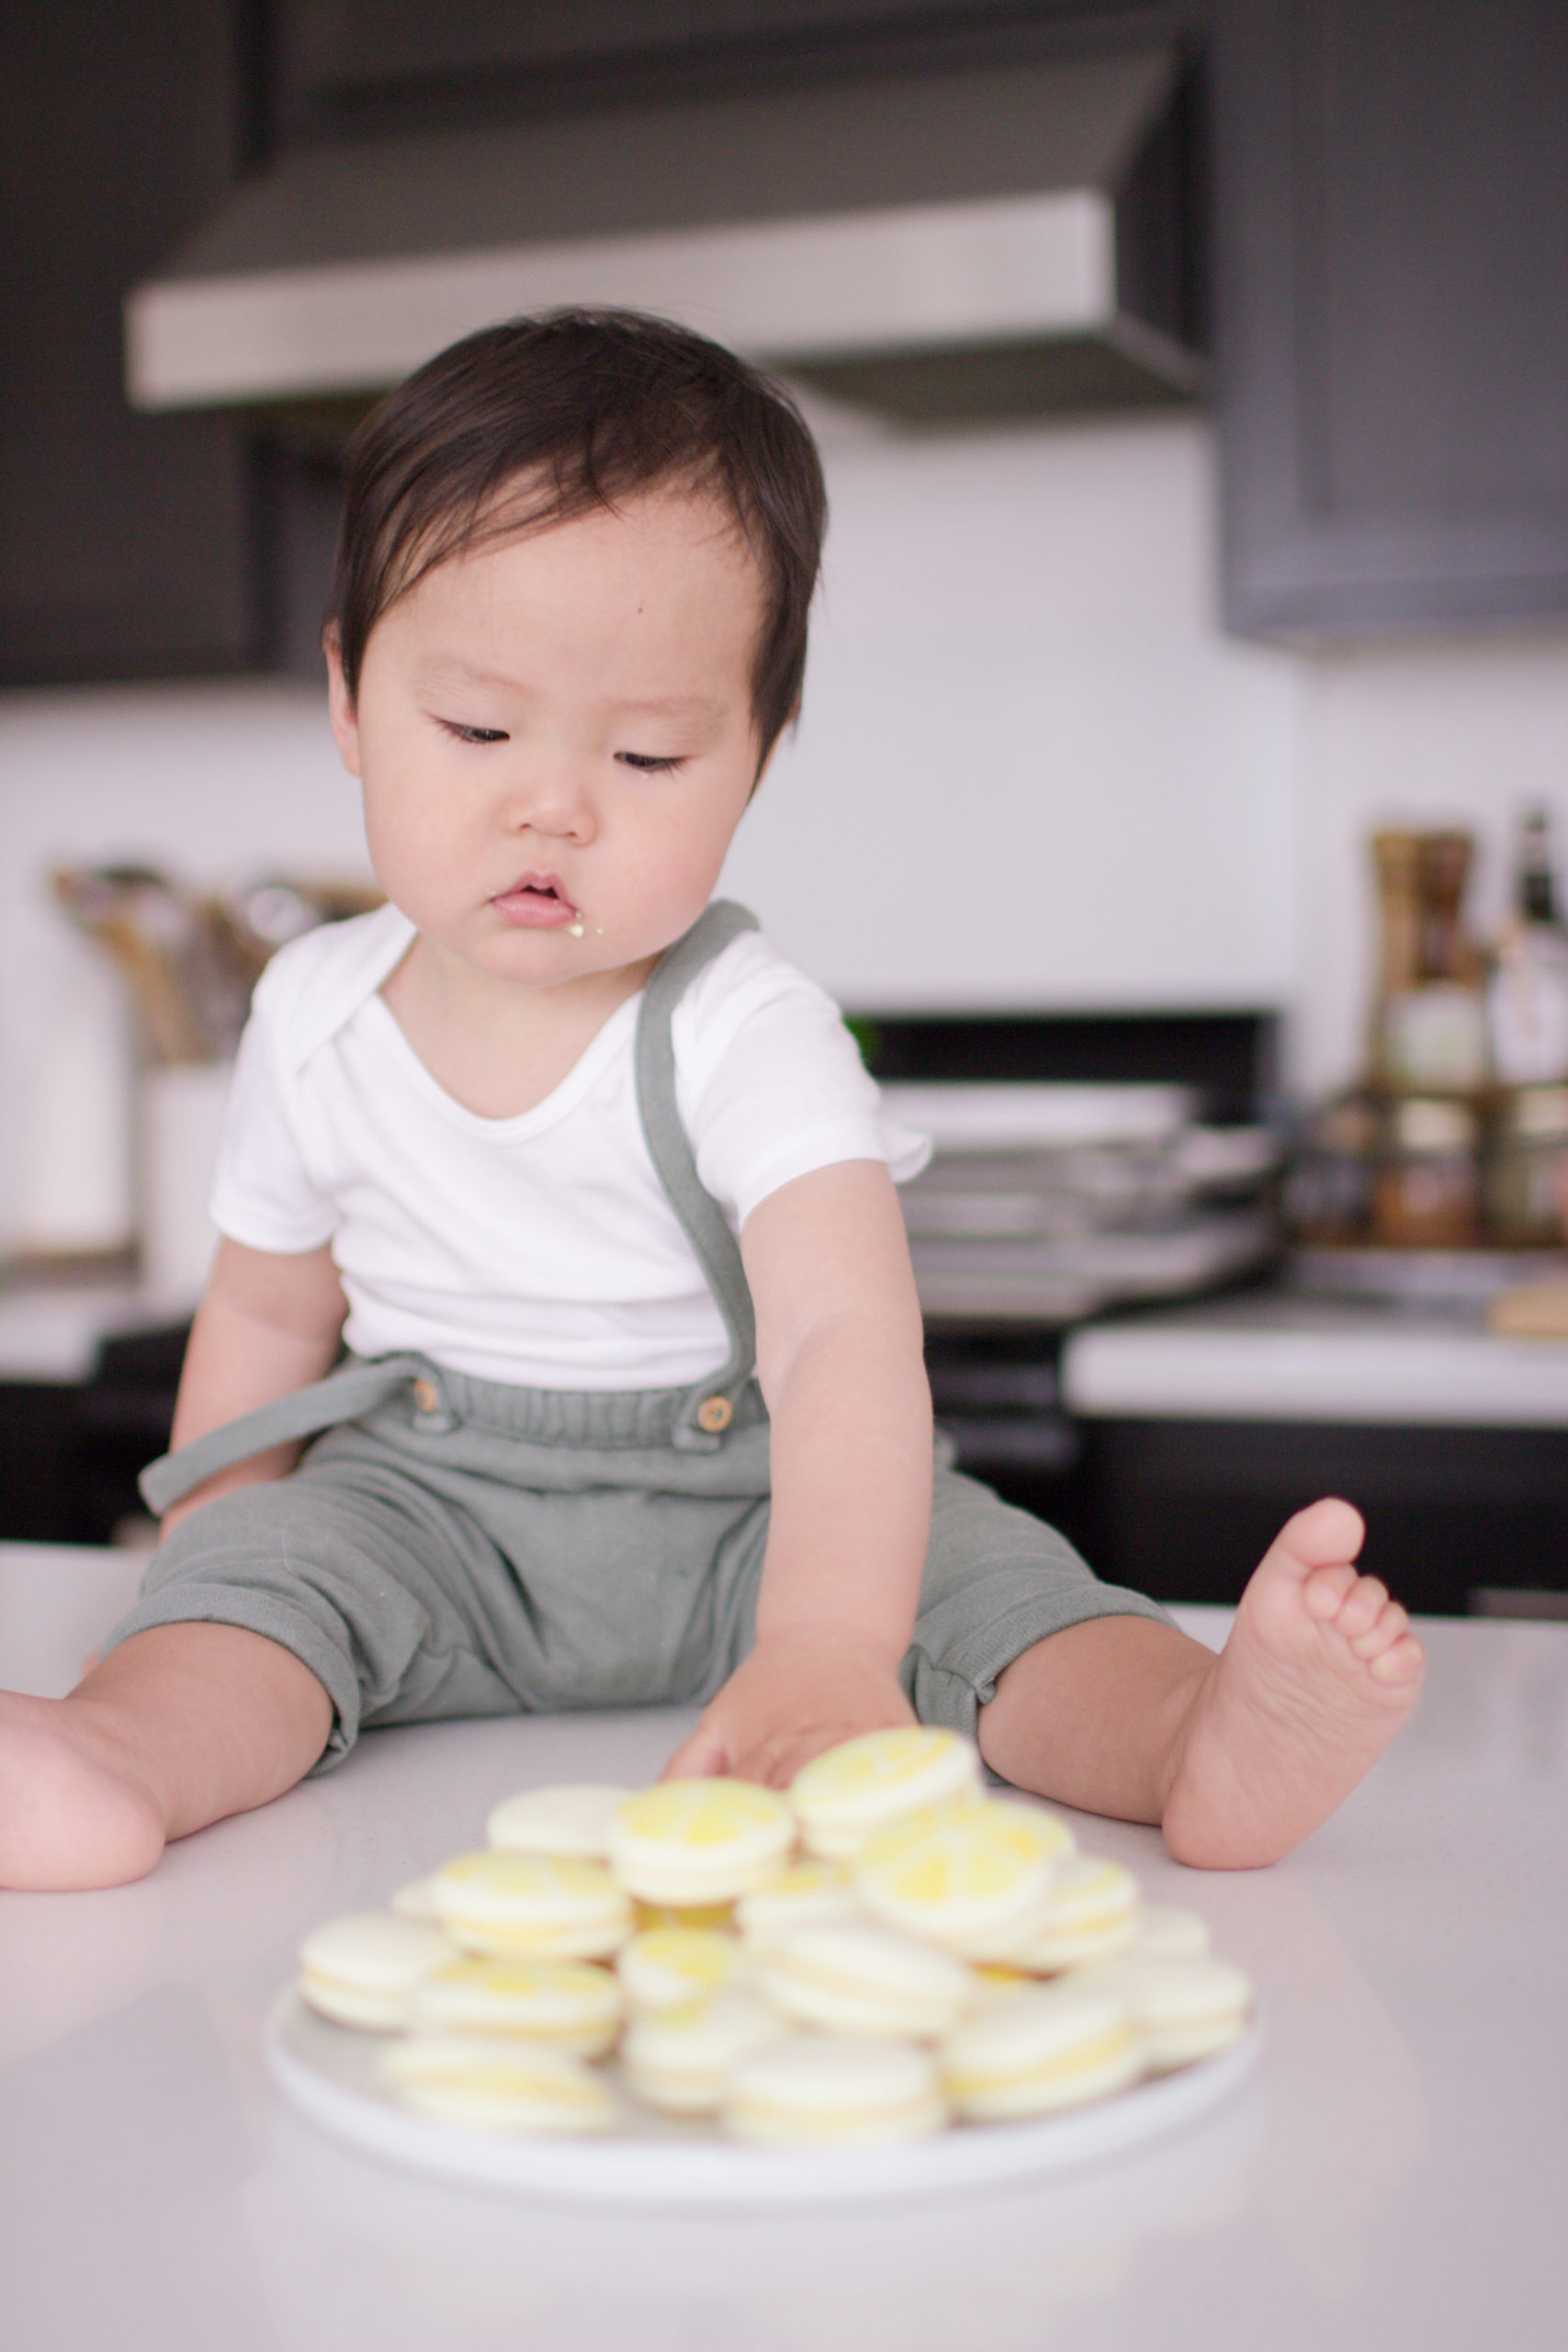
(709, 1407)
(706, 1412)
(342, 1397)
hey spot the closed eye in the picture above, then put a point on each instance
(474, 734)
(651, 764)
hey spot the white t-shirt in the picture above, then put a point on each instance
(541, 1249)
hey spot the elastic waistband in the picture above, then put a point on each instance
(444, 1399)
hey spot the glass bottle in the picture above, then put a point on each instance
(1527, 997)
(1433, 1029)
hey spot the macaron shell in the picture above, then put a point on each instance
(573, 1818)
(850, 1790)
(1164, 1932)
(1034, 2052)
(680, 2060)
(665, 1968)
(861, 1979)
(811, 1893)
(564, 2004)
(1182, 2010)
(970, 1876)
(699, 1840)
(1089, 1910)
(416, 1900)
(498, 2087)
(361, 1969)
(810, 2090)
(532, 1906)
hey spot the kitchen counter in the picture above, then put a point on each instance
(51, 1332)
(1390, 2176)
(1273, 1355)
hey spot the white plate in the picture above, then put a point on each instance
(332, 2075)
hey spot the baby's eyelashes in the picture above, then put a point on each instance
(474, 734)
(651, 762)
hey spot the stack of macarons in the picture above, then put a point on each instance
(878, 1952)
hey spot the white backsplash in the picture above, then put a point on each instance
(1033, 771)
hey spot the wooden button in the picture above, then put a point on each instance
(426, 1396)
(715, 1413)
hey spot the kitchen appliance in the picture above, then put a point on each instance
(930, 244)
(1084, 1161)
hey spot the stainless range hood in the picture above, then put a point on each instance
(933, 246)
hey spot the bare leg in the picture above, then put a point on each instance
(1238, 1757)
(178, 1727)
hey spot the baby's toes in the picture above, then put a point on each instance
(1386, 1628)
(1361, 1607)
(1403, 1661)
(1325, 1590)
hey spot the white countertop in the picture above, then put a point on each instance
(1270, 1356)
(51, 1332)
(1391, 2177)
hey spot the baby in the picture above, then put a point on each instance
(593, 1186)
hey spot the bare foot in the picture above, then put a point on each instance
(73, 1812)
(1320, 1671)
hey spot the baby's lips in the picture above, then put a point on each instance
(538, 901)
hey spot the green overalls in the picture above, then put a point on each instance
(453, 1546)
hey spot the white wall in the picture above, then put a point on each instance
(209, 781)
(1032, 772)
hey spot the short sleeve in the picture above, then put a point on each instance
(770, 1083)
(263, 1194)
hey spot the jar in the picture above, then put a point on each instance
(1527, 1172)
(1427, 1186)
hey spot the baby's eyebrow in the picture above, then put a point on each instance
(704, 712)
(689, 710)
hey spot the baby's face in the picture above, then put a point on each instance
(555, 741)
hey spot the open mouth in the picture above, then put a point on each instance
(536, 902)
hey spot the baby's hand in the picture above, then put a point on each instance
(797, 1694)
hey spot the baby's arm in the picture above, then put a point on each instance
(840, 1359)
(268, 1324)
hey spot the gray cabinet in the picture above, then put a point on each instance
(128, 544)
(1391, 232)
(359, 67)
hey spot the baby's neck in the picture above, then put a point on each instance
(498, 1047)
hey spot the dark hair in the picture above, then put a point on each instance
(574, 410)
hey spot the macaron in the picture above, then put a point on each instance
(1163, 1932)
(361, 1970)
(683, 1914)
(1182, 2010)
(842, 1796)
(971, 1876)
(859, 1978)
(1043, 2047)
(834, 2090)
(664, 1968)
(572, 1819)
(699, 1841)
(548, 1906)
(1089, 1910)
(568, 2003)
(681, 2060)
(498, 2085)
(416, 1900)
(805, 1895)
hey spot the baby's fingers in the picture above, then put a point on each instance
(698, 1758)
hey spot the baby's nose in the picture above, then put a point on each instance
(552, 797)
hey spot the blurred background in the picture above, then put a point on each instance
(1179, 804)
